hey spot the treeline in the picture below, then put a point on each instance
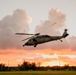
(26, 66)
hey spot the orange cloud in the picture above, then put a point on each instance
(13, 57)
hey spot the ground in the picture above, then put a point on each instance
(39, 73)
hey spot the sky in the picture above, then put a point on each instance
(34, 16)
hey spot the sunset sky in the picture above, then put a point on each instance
(32, 16)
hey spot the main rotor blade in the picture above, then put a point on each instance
(24, 34)
(27, 38)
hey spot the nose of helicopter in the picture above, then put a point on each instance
(26, 44)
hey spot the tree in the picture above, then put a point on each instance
(33, 66)
(2, 67)
(24, 66)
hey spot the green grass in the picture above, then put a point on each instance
(39, 73)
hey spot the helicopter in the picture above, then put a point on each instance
(36, 39)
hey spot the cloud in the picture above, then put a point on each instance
(46, 27)
(18, 56)
(19, 22)
(11, 24)
(72, 42)
(49, 27)
(54, 16)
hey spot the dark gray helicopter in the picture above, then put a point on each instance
(39, 39)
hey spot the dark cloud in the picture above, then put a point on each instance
(11, 24)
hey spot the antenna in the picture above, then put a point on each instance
(43, 30)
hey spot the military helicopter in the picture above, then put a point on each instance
(36, 39)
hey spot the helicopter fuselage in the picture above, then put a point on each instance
(41, 39)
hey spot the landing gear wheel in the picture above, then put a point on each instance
(35, 45)
(61, 40)
(35, 42)
(23, 45)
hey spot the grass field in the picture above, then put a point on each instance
(40, 73)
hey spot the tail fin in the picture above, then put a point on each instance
(65, 34)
